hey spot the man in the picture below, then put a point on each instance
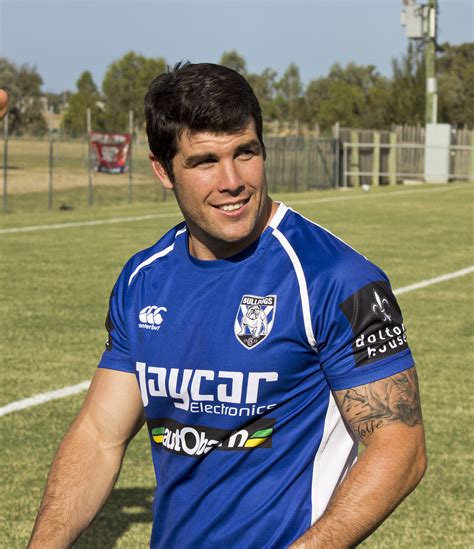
(254, 422)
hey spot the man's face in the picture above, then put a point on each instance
(221, 189)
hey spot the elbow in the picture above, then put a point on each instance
(423, 466)
(419, 464)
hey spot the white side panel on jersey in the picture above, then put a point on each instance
(302, 284)
(154, 257)
(336, 454)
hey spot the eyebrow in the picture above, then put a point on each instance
(253, 144)
(194, 159)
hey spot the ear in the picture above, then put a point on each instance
(160, 173)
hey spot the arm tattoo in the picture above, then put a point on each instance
(392, 399)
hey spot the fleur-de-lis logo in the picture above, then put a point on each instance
(379, 307)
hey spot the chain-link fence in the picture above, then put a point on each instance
(54, 172)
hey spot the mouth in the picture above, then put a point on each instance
(232, 206)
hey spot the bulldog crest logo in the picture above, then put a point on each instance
(254, 320)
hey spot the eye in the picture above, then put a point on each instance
(206, 162)
(246, 154)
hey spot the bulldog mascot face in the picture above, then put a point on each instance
(255, 320)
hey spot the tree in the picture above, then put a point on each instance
(456, 84)
(263, 86)
(23, 83)
(233, 60)
(125, 85)
(345, 105)
(289, 99)
(406, 101)
(87, 97)
(354, 96)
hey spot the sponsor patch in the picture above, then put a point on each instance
(254, 319)
(376, 322)
(198, 440)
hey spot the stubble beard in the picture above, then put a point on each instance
(212, 237)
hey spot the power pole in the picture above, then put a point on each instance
(431, 110)
(420, 22)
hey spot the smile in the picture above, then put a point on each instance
(233, 207)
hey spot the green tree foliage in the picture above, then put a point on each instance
(233, 60)
(289, 100)
(354, 96)
(456, 84)
(406, 101)
(86, 97)
(23, 83)
(331, 101)
(124, 87)
(263, 86)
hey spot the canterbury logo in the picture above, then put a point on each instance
(151, 318)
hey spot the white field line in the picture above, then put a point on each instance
(44, 397)
(435, 280)
(377, 195)
(175, 213)
(84, 385)
(87, 223)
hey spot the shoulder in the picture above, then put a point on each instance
(328, 263)
(142, 262)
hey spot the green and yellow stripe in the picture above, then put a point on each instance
(259, 437)
(157, 434)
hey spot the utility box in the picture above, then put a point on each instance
(412, 19)
(437, 153)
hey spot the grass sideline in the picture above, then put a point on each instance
(55, 286)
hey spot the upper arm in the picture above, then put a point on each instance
(113, 408)
(389, 406)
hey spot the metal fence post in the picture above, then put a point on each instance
(470, 175)
(50, 182)
(89, 157)
(130, 157)
(5, 163)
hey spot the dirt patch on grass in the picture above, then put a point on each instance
(37, 180)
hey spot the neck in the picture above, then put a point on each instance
(207, 248)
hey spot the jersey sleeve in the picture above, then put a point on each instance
(360, 331)
(116, 355)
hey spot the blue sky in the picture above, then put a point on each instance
(64, 37)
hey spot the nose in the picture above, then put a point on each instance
(230, 178)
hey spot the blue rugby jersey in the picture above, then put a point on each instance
(236, 360)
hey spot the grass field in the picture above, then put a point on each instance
(55, 285)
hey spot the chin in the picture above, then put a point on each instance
(237, 236)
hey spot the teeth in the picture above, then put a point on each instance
(231, 207)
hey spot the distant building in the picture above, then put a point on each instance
(53, 107)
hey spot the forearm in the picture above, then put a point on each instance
(82, 476)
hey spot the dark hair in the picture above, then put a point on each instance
(198, 97)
